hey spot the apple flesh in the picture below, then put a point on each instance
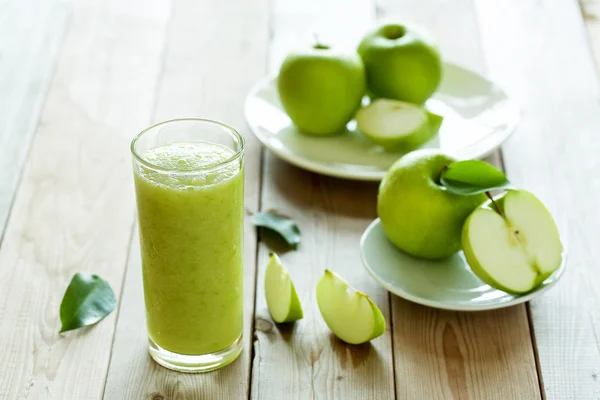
(401, 63)
(349, 314)
(282, 299)
(514, 251)
(321, 89)
(418, 214)
(397, 125)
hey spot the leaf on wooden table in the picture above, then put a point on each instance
(87, 300)
(286, 228)
(473, 177)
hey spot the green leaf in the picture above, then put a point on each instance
(284, 227)
(88, 299)
(473, 177)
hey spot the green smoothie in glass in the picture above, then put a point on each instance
(190, 197)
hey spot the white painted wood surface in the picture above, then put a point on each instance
(123, 65)
(73, 210)
(554, 154)
(31, 35)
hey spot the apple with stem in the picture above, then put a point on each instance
(350, 314)
(321, 88)
(512, 242)
(401, 63)
(419, 215)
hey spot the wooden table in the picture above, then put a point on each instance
(78, 78)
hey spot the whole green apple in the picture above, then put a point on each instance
(512, 244)
(321, 88)
(400, 63)
(419, 215)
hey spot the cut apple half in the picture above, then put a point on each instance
(514, 244)
(282, 299)
(397, 125)
(349, 314)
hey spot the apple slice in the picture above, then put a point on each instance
(397, 125)
(350, 314)
(282, 299)
(513, 245)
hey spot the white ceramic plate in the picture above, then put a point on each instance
(448, 284)
(478, 117)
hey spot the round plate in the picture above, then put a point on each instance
(478, 117)
(448, 284)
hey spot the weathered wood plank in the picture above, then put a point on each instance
(442, 354)
(209, 66)
(305, 361)
(31, 34)
(554, 154)
(74, 208)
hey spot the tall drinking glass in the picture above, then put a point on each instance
(189, 183)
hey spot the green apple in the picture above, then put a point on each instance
(321, 89)
(419, 215)
(282, 299)
(350, 314)
(512, 245)
(397, 125)
(400, 63)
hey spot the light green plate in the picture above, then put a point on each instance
(448, 284)
(478, 117)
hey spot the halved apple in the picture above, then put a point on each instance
(515, 247)
(350, 314)
(282, 299)
(397, 125)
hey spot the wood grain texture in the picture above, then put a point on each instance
(590, 9)
(31, 34)
(74, 208)
(554, 154)
(304, 360)
(451, 355)
(213, 53)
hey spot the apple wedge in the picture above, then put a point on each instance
(397, 125)
(350, 314)
(282, 299)
(514, 244)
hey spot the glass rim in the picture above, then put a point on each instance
(229, 128)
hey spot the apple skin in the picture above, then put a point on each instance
(321, 89)
(476, 267)
(379, 328)
(330, 282)
(419, 215)
(295, 312)
(400, 63)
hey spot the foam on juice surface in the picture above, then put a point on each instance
(186, 160)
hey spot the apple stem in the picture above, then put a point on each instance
(316, 37)
(318, 45)
(498, 210)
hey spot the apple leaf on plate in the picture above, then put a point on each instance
(87, 300)
(473, 177)
(286, 228)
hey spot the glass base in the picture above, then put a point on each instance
(195, 364)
